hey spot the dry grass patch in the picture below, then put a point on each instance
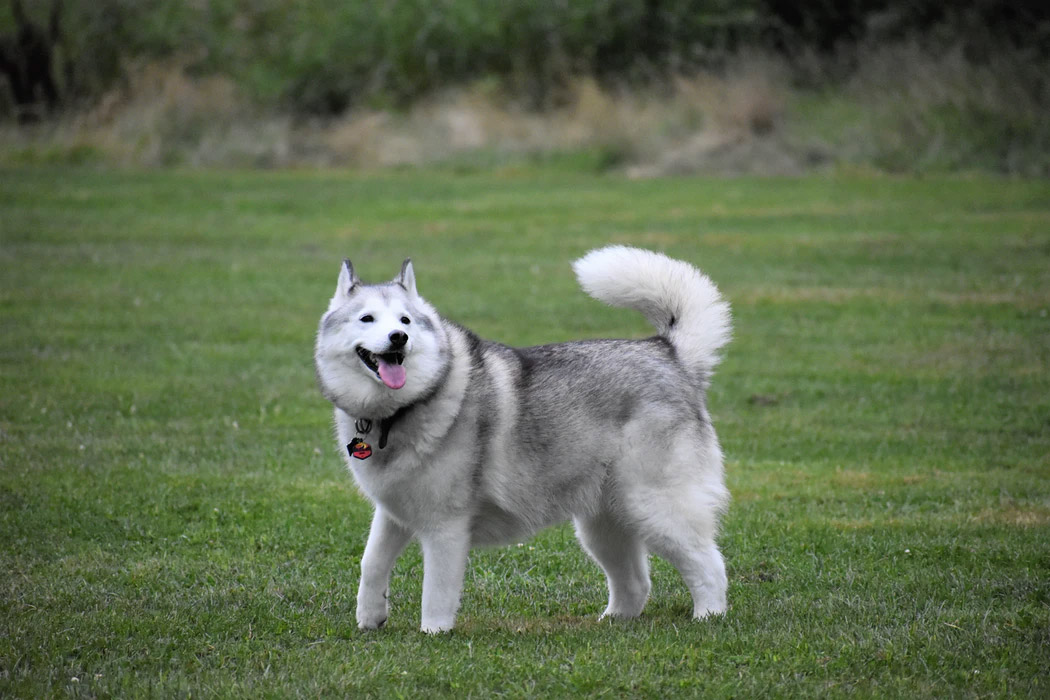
(903, 109)
(1024, 517)
(161, 115)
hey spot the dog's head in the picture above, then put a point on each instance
(379, 346)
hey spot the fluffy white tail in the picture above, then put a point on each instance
(680, 301)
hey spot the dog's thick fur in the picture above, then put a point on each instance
(461, 442)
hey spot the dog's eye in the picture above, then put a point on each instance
(367, 318)
(406, 320)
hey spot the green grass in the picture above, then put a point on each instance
(175, 519)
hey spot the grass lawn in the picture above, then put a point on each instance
(175, 519)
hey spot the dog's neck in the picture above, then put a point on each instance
(364, 425)
(375, 413)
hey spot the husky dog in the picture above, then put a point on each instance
(462, 442)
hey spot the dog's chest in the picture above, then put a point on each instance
(417, 489)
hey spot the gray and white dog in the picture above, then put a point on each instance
(462, 442)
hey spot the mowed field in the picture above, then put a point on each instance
(175, 518)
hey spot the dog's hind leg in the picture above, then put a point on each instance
(704, 571)
(386, 541)
(624, 559)
(681, 528)
(677, 516)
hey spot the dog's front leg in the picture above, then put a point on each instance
(386, 541)
(445, 553)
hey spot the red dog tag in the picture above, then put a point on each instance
(359, 449)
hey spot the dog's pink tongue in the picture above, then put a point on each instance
(393, 375)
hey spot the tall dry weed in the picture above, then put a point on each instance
(903, 109)
(941, 111)
(162, 116)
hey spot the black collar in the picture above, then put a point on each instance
(364, 425)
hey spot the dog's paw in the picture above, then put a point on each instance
(709, 611)
(434, 627)
(618, 615)
(372, 609)
(371, 621)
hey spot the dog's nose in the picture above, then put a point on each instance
(398, 339)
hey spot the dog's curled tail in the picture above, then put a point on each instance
(682, 303)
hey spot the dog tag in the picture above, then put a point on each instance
(359, 449)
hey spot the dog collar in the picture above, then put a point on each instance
(364, 426)
(360, 449)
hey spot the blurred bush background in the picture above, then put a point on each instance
(648, 86)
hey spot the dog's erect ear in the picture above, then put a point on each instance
(347, 279)
(407, 278)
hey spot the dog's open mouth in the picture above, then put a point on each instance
(388, 366)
